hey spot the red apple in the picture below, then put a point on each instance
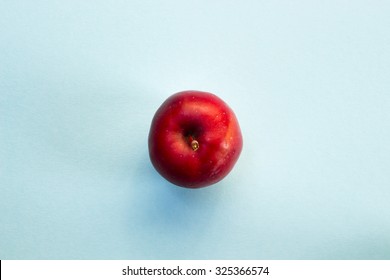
(194, 139)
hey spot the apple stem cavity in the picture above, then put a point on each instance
(194, 144)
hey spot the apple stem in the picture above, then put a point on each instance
(194, 144)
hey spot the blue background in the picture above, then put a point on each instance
(81, 80)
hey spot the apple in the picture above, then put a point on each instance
(194, 139)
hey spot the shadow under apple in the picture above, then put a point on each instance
(163, 213)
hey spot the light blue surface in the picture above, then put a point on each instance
(309, 82)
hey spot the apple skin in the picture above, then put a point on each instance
(194, 139)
